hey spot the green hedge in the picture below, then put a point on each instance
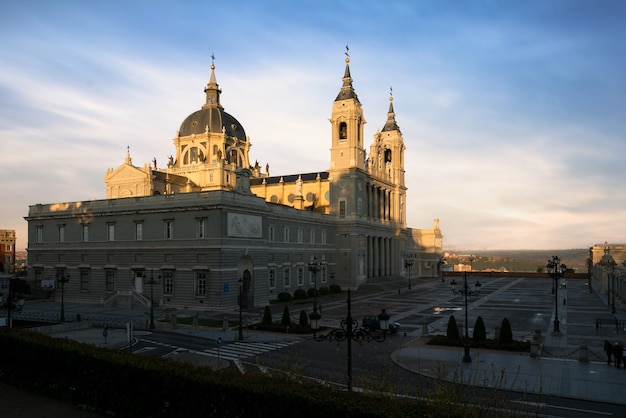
(117, 383)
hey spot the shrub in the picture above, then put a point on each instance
(311, 292)
(267, 316)
(324, 290)
(335, 288)
(284, 296)
(506, 335)
(299, 294)
(286, 320)
(453, 329)
(304, 319)
(480, 333)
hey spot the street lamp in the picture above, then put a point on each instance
(477, 285)
(407, 264)
(556, 270)
(240, 335)
(13, 303)
(351, 331)
(61, 278)
(152, 282)
(466, 357)
(314, 267)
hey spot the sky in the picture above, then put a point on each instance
(513, 113)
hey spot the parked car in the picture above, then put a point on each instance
(372, 323)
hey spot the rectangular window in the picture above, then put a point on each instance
(286, 276)
(201, 228)
(200, 283)
(168, 282)
(271, 278)
(111, 232)
(40, 234)
(359, 206)
(323, 237)
(286, 234)
(342, 208)
(300, 236)
(85, 233)
(61, 233)
(84, 280)
(169, 229)
(110, 280)
(9, 247)
(139, 231)
(312, 236)
(300, 275)
(270, 234)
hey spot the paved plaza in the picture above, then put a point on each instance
(571, 364)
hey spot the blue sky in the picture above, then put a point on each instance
(513, 113)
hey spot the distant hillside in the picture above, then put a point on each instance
(519, 260)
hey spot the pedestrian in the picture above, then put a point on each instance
(608, 349)
(618, 349)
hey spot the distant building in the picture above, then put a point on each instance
(211, 224)
(608, 271)
(7, 250)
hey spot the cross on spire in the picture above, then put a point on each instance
(347, 51)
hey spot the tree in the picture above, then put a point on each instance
(506, 335)
(304, 318)
(267, 316)
(453, 329)
(480, 333)
(286, 320)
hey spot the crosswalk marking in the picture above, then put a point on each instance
(239, 350)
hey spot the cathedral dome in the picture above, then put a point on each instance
(212, 119)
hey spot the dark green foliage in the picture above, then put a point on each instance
(286, 320)
(480, 333)
(299, 294)
(304, 318)
(453, 329)
(284, 296)
(324, 290)
(506, 335)
(311, 292)
(105, 381)
(335, 288)
(267, 315)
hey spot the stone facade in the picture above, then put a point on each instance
(210, 224)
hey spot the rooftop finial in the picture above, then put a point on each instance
(212, 60)
(347, 54)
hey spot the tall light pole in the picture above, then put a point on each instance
(351, 331)
(556, 270)
(407, 264)
(152, 282)
(63, 279)
(314, 267)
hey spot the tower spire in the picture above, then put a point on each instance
(212, 89)
(391, 124)
(347, 91)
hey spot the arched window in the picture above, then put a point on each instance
(387, 155)
(343, 130)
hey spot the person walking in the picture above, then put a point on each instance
(608, 349)
(618, 349)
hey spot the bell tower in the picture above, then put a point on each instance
(347, 122)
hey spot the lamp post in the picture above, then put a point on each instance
(152, 282)
(556, 270)
(13, 303)
(314, 267)
(61, 278)
(466, 356)
(240, 334)
(477, 285)
(408, 264)
(440, 264)
(351, 331)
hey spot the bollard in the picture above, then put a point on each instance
(425, 330)
(225, 324)
(534, 349)
(194, 322)
(173, 322)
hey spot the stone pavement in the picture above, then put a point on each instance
(557, 370)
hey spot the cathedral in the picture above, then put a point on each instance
(212, 229)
